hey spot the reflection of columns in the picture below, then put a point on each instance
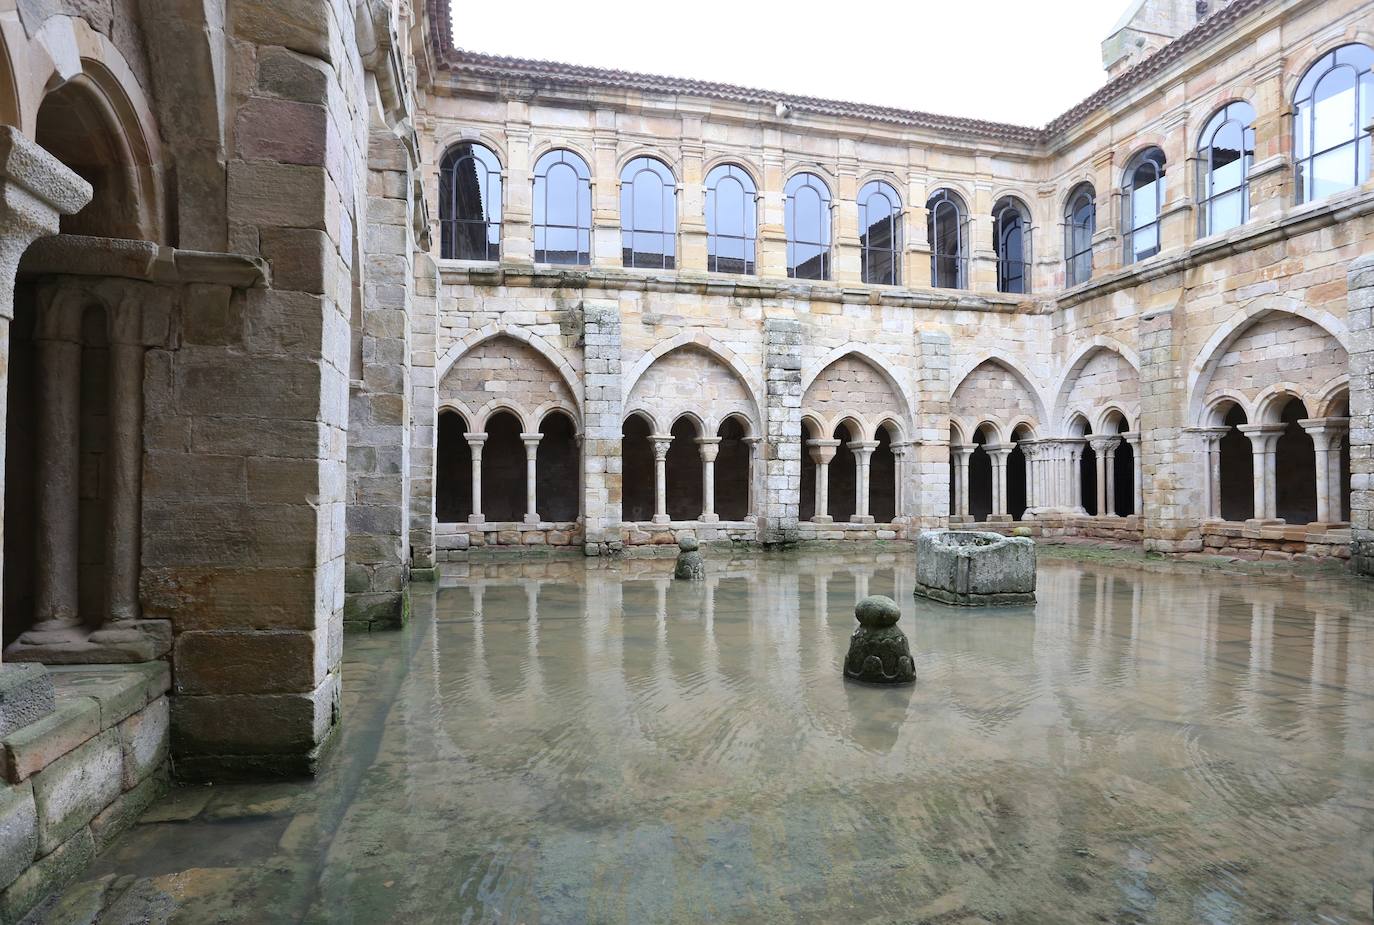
(58, 496)
(124, 511)
(1263, 438)
(531, 442)
(999, 454)
(1132, 439)
(863, 456)
(661, 444)
(1210, 438)
(710, 447)
(1326, 434)
(1104, 448)
(752, 511)
(822, 451)
(962, 454)
(475, 443)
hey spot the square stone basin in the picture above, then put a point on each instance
(972, 568)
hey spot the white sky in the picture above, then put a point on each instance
(1006, 60)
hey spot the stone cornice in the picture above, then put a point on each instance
(611, 279)
(78, 255)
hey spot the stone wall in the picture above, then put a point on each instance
(76, 779)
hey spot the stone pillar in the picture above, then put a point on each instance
(710, 447)
(475, 443)
(781, 479)
(822, 452)
(1102, 447)
(1326, 436)
(57, 337)
(1075, 473)
(1263, 438)
(531, 442)
(1132, 439)
(1000, 453)
(1360, 320)
(899, 451)
(1109, 468)
(863, 458)
(661, 444)
(424, 423)
(602, 425)
(752, 511)
(1210, 438)
(35, 190)
(1029, 451)
(962, 454)
(123, 530)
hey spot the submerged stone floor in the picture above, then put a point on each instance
(571, 742)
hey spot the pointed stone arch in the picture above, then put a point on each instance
(534, 342)
(995, 390)
(1099, 374)
(503, 372)
(853, 382)
(690, 375)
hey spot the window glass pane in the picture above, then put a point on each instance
(1226, 212)
(1143, 200)
(1228, 161)
(1333, 171)
(1145, 242)
(1333, 105)
(1356, 55)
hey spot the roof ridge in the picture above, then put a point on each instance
(453, 58)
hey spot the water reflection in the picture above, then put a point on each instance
(617, 746)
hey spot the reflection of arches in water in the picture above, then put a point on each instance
(639, 609)
(505, 631)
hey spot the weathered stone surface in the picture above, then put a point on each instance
(974, 568)
(26, 696)
(690, 565)
(126, 809)
(878, 651)
(143, 738)
(18, 831)
(50, 873)
(71, 790)
(31, 749)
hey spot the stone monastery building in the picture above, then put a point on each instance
(299, 300)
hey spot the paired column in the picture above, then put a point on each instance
(57, 499)
(1104, 449)
(124, 512)
(999, 454)
(863, 458)
(1326, 434)
(752, 512)
(475, 444)
(822, 452)
(1211, 452)
(531, 442)
(1263, 440)
(661, 443)
(899, 452)
(962, 454)
(710, 447)
(1132, 439)
(1075, 475)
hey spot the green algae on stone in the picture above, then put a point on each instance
(878, 651)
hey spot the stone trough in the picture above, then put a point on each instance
(975, 569)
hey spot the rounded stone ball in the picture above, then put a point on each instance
(877, 611)
(687, 543)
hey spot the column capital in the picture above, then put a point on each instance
(475, 441)
(862, 446)
(60, 307)
(999, 451)
(709, 447)
(962, 451)
(1332, 429)
(35, 190)
(1263, 436)
(1102, 443)
(822, 451)
(661, 444)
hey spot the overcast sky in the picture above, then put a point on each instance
(1006, 60)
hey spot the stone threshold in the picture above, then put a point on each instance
(76, 779)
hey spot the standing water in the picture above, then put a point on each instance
(572, 742)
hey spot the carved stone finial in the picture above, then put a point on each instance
(878, 651)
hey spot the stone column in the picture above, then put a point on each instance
(57, 337)
(710, 447)
(999, 453)
(962, 454)
(1326, 436)
(123, 526)
(899, 490)
(1263, 437)
(863, 458)
(1109, 468)
(822, 452)
(531, 442)
(752, 511)
(475, 444)
(1211, 460)
(1028, 451)
(1101, 446)
(661, 444)
(1075, 473)
(1132, 439)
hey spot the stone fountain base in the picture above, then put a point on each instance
(970, 568)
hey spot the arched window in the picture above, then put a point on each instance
(880, 233)
(1011, 238)
(469, 203)
(1331, 110)
(806, 216)
(1080, 224)
(1225, 153)
(562, 209)
(731, 220)
(648, 214)
(945, 220)
(1144, 199)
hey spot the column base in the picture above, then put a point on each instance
(709, 519)
(476, 519)
(115, 643)
(661, 519)
(1323, 526)
(1266, 522)
(26, 696)
(822, 519)
(959, 520)
(531, 519)
(999, 518)
(865, 519)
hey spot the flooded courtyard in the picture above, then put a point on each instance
(584, 742)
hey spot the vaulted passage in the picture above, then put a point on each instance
(453, 470)
(637, 463)
(684, 472)
(1295, 468)
(732, 471)
(503, 470)
(558, 480)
